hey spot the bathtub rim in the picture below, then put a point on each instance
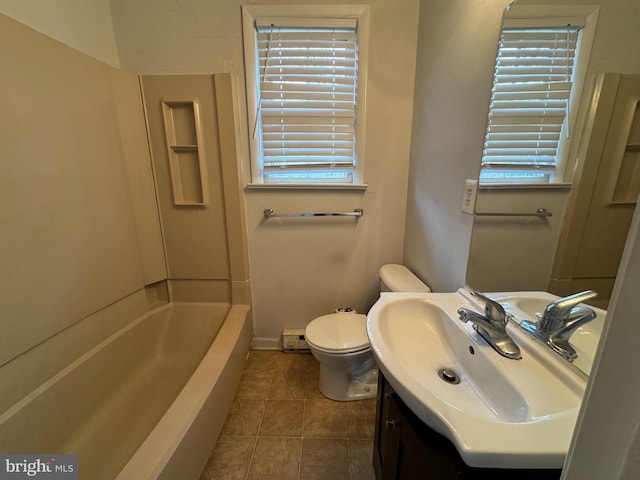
(163, 451)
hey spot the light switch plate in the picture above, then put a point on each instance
(469, 196)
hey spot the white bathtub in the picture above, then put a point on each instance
(146, 403)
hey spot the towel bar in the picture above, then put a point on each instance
(541, 212)
(269, 212)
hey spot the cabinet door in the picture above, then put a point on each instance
(389, 422)
(423, 454)
(405, 448)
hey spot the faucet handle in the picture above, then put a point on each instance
(570, 301)
(559, 310)
(492, 309)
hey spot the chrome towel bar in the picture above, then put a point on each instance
(541, 212)
(269, 212)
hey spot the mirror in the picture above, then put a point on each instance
(580, 245)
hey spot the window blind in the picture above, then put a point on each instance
(307, 101)
(529, 102)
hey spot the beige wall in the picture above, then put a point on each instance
(85, 26)
(299, 269)
(137, 162)
(81, 235)
(69, 244)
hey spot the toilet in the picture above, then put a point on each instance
(339, 342)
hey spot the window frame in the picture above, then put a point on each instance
(302, 12)
(522, 16)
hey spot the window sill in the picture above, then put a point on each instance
(307, 186)
(524, 186)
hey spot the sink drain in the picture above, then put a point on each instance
(449, 376)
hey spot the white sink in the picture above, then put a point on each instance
(504, 413)
(530, 305)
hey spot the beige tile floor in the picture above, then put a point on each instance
(281, 427)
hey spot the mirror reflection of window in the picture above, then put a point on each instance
(529, 103)
(540, 67)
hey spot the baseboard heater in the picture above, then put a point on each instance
(293, 340)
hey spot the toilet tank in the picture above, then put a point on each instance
(398, 278)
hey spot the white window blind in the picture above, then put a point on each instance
(307, 100)
(529, 103)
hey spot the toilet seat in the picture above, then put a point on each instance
(338, 333)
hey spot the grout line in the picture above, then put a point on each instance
(304, 414)
(257, 436)
(255, 443)
(266, 401)
(253, 452)
(349, 460)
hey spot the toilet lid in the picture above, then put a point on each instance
(338, 332)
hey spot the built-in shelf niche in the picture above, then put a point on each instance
(627, 186)
(185, 149)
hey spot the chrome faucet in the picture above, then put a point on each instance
(492, 326)
(558, 322)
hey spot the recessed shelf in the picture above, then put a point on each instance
(186, 152)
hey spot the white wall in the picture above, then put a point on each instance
(458, 44)
(306, 268)
(83, 25)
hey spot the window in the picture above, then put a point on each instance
(530, 103)
(540, 70)
(304, 114)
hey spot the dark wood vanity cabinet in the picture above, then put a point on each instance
(407, 449)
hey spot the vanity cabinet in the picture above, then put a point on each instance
(407, 449)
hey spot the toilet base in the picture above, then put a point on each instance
(336, 385)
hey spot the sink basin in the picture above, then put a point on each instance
(530, 305)
(503, 413)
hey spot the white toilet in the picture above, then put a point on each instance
(339, 342)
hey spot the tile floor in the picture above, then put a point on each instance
(281, 427)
